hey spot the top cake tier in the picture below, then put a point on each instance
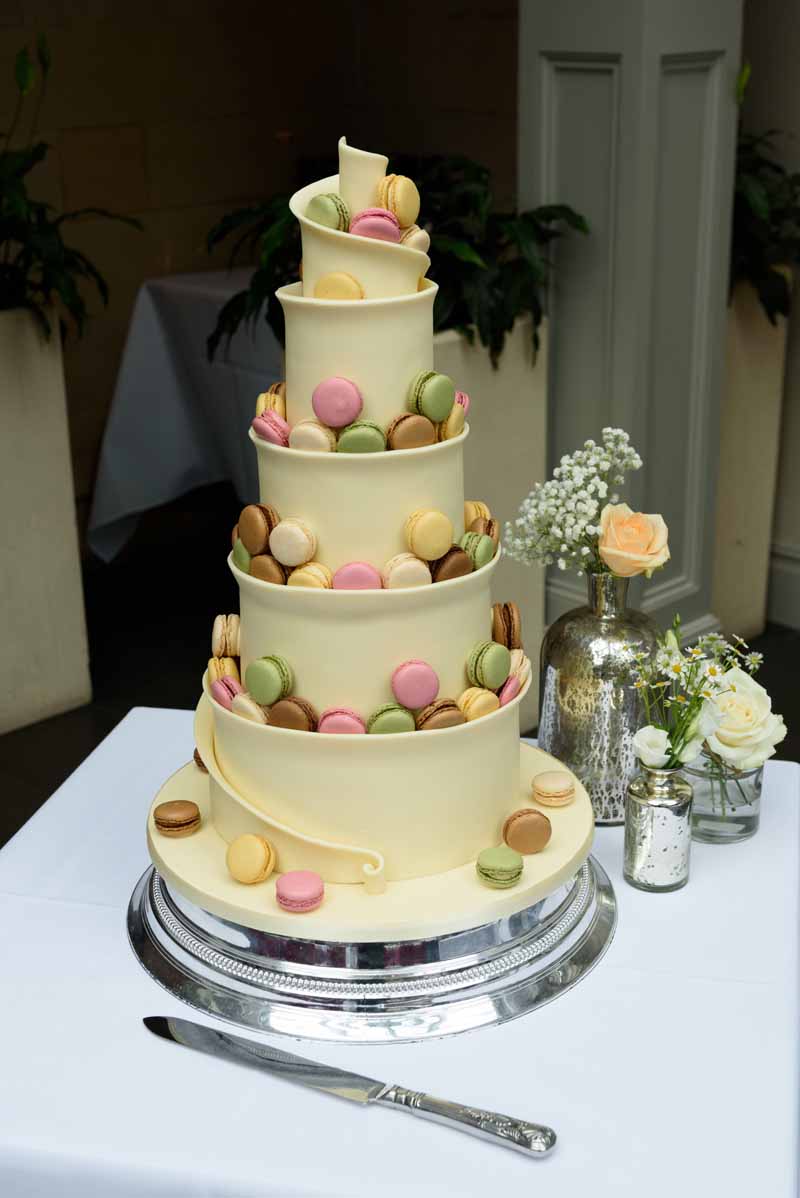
(383, 336)
(383, 269)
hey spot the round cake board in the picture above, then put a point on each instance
(407, 910)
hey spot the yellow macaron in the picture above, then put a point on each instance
(222, 667)
(475, 510)
(338, 285)
(399, 194)
(250, 859)
(453, 426)
(272, 400)
(476, 702)
(429, 534)
(312, 574)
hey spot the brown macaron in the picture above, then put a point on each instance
(410, 431)
(527, 830)
(487, 528)
(455, 564)
(294, 713)
(507, 625)
(443, 713)
(268, 569)
(256, 522)
(177, 817)
(198, 760)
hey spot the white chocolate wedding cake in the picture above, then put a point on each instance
(358, 733)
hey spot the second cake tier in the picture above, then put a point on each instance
(357, 504)
(343, 646)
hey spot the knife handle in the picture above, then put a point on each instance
(530, 1138)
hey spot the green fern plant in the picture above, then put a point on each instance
(38, 271)
(765, 236)
(491, 267)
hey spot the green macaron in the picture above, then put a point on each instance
(478, 547)
(362, 436)
(499, 867)
(489, 665)
(391, 718)
(329, 209)
(269, 679)
(241, 556)
(432, 395)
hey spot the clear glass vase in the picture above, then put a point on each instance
(727, 802)
(589, 709)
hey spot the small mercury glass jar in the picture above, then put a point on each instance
(658, 830)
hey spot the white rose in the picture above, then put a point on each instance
(748, 730)
(651, 746)
(705, 722)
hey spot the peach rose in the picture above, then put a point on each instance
(632, 542)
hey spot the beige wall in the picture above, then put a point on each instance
(176, 112)
(772, 44)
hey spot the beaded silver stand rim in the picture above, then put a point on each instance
(478, 988)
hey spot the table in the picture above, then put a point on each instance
(178, 421)
(672, 1068)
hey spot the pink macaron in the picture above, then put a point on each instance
(510, 690)
(415, 684)
(357, 576)
(379, 223)
(300, 890)
(336, 402)
(341, 720)
(224, 690)
(462, 399)
(271, 427)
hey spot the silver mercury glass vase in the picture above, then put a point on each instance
(658, 831)
(589, 709)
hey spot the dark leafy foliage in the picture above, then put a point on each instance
(765, 237)
(490, 267)
(37, 270)
(766, 223)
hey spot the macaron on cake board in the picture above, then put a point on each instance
(363, 779)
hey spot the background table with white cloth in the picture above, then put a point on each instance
(671, 1069)
(178, 421)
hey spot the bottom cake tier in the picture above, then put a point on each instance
(412, 909)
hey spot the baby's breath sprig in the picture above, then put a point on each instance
(558, 522)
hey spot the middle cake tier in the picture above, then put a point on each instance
(357, 504)
(343, 646)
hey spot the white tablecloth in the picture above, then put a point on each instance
(672, 1069)
(176, 420)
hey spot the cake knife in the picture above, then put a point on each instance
(530, 1138)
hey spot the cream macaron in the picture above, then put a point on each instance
(405, 570)
(312, 436)
(292, 542)
(553, 788)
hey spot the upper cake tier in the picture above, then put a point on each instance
(380, 344)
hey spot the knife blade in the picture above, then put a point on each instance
(533, 1139)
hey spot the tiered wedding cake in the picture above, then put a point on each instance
(392, 821)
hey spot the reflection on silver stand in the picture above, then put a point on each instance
(373, 992)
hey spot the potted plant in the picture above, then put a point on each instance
(493, 270)
(765, 245)
(40, 287)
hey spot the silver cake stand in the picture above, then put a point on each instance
(373, 993)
